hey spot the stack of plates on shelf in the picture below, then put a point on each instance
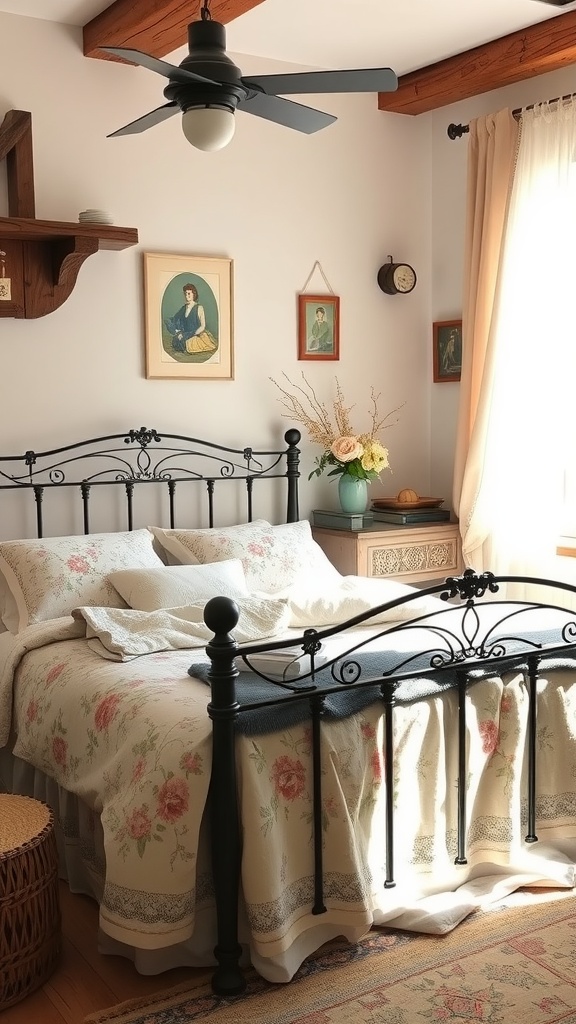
(94, 217)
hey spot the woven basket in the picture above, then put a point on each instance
(30, 936)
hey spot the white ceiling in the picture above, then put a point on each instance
(403, 34)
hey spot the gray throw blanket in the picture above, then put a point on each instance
(282, 711)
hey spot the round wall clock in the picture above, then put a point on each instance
(396, 278)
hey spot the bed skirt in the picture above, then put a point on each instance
(82, 866)
(436, 909)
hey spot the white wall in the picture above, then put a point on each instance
(448, 213)
(274, 201)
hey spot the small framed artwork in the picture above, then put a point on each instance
(318, 327)
(11, 278)
(447, 350)
(188, 304)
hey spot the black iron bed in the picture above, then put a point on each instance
(461, 645)
(468, 639)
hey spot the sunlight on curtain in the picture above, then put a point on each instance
(492, 149)
(516, 516)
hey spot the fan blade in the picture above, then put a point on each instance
(161, 67)
(368, 80)
(286, 112)
(147, 120)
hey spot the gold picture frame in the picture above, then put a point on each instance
(189, 317)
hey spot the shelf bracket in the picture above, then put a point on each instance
(68, 255)
(40, 260)
(52, 270)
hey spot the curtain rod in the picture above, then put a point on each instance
(456, 131)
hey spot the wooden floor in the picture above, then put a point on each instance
(85, 981)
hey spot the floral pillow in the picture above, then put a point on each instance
(170, 550)
(45, 579)
(274, 557)
(174, 586)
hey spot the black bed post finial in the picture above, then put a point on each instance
(292, 438)
(221, 616)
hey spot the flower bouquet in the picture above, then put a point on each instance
(345, 452)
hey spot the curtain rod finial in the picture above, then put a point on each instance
(456, 131)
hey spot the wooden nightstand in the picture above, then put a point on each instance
(419, 554)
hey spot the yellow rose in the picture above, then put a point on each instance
(346, 449)
(375, 457)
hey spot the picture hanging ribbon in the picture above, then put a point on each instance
(318, 266)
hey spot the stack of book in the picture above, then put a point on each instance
(336, 520)
(285, 664)
(411, 516)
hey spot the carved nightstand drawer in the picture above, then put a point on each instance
(413, 554)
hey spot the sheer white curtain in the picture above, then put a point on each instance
(513, 497)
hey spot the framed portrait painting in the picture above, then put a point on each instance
(188, 303)
(318, 327)
(447, 350)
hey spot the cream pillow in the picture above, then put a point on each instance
(274, 557)
(45, 579)
(174, 586)
(353, 595)
(171, 545)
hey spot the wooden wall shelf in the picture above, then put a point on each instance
(40, 259)
(108, 236)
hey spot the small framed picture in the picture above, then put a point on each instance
(447, 350)
(188, 301)
(318, 327)
(11, 278)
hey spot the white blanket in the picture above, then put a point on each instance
(121, 634)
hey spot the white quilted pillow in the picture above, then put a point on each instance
(45, 579)
(274, 557)
(174, 586)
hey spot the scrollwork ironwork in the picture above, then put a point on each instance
(143, 455)
(143, 436)
(451, 638)
(470, 585)
(191, 461)
(311, 645)
(346, 671)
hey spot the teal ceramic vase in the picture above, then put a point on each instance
(352, 493)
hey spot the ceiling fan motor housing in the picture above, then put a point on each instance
(207, 57)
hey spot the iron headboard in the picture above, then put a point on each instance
(144, 456)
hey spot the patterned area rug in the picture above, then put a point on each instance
(505, 966)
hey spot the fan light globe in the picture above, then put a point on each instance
(208, 128)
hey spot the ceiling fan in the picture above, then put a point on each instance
(207, 88)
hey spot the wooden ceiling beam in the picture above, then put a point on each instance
(532, 51)
(155, 26)
(159, 27)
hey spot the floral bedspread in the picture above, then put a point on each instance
(133, 740)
